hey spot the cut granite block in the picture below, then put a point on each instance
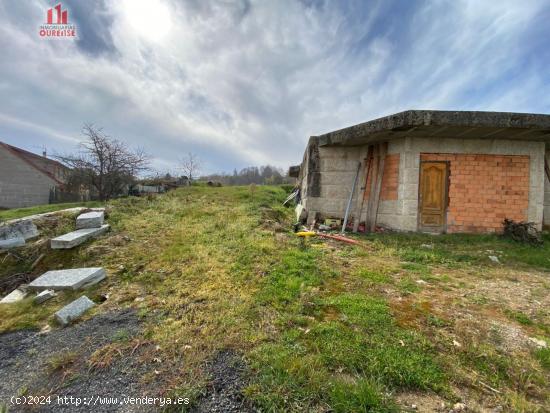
(72, 239)
(44, 296)
(13, 297)
(6, 244)
(73, 310)
(92, 219)
(73, 279)
(22, 229)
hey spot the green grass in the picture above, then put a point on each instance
(322, 326)
(543, 356)
(456, 250)
(343, 350)
(39, 209)
(519, 317)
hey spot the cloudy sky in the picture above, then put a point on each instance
(247, 82)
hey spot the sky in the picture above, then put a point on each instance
(244, 82)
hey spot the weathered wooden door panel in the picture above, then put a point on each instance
(432, 195)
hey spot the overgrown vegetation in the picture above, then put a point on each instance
(325, 327)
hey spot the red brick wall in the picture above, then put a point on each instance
(485, 189)
(390, 179)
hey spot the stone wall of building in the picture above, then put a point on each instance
(337, 167)
(21, 185)
(398, 206)
(547, 196)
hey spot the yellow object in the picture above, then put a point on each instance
(305, 233)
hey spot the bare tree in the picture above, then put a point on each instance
(190, 166)
(104, 163)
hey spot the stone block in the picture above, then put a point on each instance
(411, 176)
(410, 192)
(72, 239)
(409, 223)
(22, 229)
(92, 219)
(338, 165)
(338, 178)
(74, 310)
(11, 243)
(410, 207)
(387, 207)
(72, 279)
(44, 296)
(13, 297)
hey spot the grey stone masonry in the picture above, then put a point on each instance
(72, 279)
(72, 239)
(24, 229)
(92, 219)
(11, 243)
(74, 310)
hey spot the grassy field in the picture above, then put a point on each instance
(400, 320)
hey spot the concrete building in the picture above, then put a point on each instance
(431, 171)
(26, 179)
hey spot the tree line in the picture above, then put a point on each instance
(259, 175)
(107, 168)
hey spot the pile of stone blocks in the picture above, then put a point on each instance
(88, 225)
(16, 234)
(49, 282)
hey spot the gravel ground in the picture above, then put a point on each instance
(224, 393)
(24, 369)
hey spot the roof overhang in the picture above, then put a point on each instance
(443, 124)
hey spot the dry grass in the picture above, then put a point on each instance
(325, 327)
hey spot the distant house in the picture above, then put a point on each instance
(27, 179)
(431, 171)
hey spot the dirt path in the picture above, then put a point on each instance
(54, 363)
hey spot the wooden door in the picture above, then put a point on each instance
(432, 196)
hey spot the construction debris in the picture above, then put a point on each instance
(74, 310)
(25, 229)
(52, 213)
(44, 296)
(525, 232)
(13, 297)
(73, 279)
(340, 238)
(16, 234)
(92, 219)
(72, 239)
(6, 244)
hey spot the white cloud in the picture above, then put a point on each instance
(248, 83)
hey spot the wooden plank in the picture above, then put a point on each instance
(363, 189)
(350, 200)
(373, 180)
(383, 150)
